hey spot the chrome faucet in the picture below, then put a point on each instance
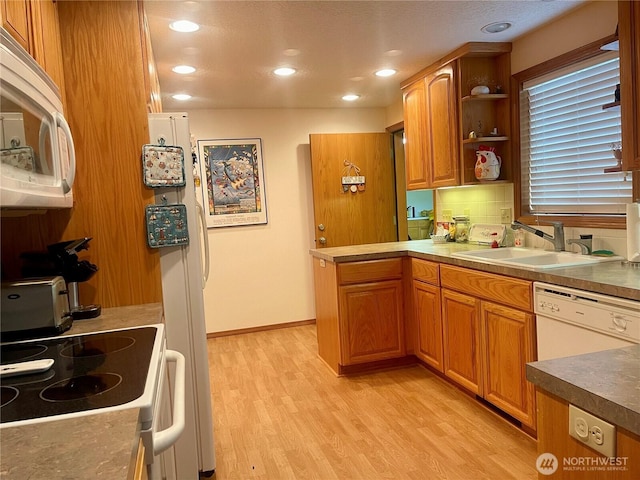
(585, 243)
(558, 233)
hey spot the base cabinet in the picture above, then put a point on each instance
(507, 347)
(371, 321)
(488, 342)
(461, 338)
(359, 312)
(427, 312)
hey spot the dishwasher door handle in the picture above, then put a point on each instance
(167, 437)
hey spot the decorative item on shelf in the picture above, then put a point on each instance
(352, 181)
(487, 163)
(616, 149)
(472, 135)
(480, 90)
(494, 132)
(499, 89)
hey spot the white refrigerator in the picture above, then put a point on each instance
(184, 273)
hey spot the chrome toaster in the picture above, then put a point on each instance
(34, 307)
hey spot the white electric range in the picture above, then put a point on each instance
(96, 373)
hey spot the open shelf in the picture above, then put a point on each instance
(487, 96)
(607, 106)
(485, 139)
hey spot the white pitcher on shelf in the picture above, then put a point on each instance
(487, 165)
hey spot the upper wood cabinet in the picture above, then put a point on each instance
(414, 99)
(440, 114)
(442, 127)
(151, 82)
(629, 39)
(430, 122)
(16, 19)
(34, 24)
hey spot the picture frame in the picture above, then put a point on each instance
(232, 182)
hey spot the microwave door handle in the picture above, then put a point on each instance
(42, 137)
(67, 183)
(203, 226)
(167, 437)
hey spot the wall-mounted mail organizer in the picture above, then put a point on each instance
(163, 165)
(352, 181)
(166, 225)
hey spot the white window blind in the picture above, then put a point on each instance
(566, 139)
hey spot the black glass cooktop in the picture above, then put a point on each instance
(91, 371)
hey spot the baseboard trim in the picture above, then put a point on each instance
(262, 328)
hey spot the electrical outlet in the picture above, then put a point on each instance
(447, 215)
(505, 215)
(592, 431)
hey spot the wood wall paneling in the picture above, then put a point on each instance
(107, 113)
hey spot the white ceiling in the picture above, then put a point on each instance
(340, 43)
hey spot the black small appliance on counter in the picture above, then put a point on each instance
(62, 259)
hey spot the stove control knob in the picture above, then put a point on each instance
(619, 322)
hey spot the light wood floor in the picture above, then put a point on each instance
(280, 413)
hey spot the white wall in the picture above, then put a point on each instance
(591, 22)
(262, 274)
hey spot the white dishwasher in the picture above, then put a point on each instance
(573, 322)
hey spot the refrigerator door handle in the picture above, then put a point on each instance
(203, 226)
(167, 437)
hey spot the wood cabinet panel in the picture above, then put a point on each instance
(553, 437)
(507, 341)
(107, 113)
(629, 40)
(16, 19)
(369, 271)
(415, 127)
(327, 312)
(427, 311)
(461, 339)
(371, 322)
(442, 128)
(425, 271)
(47, 43)
(498, 288)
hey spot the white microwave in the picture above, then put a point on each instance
(37, 157)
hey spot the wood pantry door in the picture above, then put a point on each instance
(346, 218)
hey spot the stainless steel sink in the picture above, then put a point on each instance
(533, 259)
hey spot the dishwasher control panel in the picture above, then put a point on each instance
(611, 315)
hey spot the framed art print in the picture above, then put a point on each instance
(233, 182)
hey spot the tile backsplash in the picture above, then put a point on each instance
(485, 202)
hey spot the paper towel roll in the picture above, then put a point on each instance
(633, 232)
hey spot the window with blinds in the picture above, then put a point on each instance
(566, 141)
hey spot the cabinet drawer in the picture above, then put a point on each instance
(425, 271)
(370, 271)
(487, 286)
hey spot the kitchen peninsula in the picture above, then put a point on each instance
(391, 304)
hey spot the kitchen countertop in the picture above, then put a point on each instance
(92, 446)
(613, 278)
(606, 383)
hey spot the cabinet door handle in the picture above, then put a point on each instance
(322, 240)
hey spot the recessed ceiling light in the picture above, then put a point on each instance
(183, 69)
(350, 97)
(496, 27)
(184, 26)
(386, 72)
(181, 96)
(284, 71)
